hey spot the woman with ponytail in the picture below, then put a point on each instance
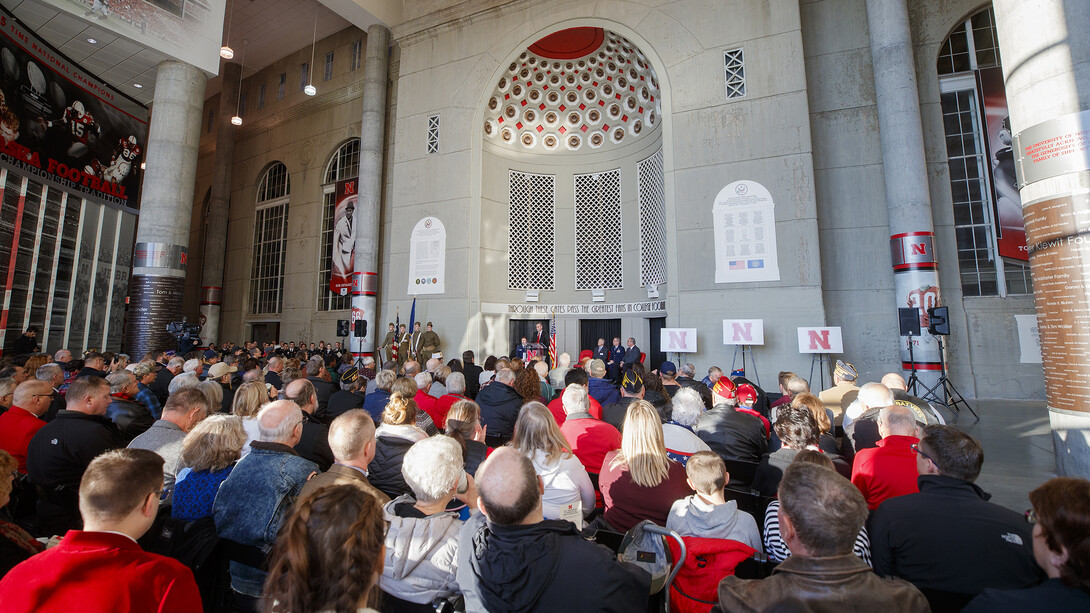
(328, 556)
(393, 438)
(464, 425)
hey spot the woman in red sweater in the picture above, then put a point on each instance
(639, 481)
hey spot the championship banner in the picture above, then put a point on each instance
(344, 237)
(63, 126)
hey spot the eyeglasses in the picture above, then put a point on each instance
(917, 449)
(1031, 517)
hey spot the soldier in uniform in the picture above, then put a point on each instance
(429, 344)
(616, 356)
(388, 344)
(414, 343)
(404, 345)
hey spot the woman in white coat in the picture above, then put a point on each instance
(569, 493)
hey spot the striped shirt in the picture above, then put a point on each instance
(778, 551)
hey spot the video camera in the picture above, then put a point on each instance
(181, 329)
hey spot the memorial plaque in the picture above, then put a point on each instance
(153, 303)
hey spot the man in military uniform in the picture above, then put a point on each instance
(404, 344)
(388, 344)
(414, 343)
(616, 356)
(429, 344)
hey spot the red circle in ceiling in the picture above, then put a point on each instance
(569, 44)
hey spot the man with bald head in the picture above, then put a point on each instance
(313, 443)
(566, 572)
(926, 415)
(254, 499)
(352, 439)
(889, 468)
(22, 421)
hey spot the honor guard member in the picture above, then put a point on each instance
(414, 343)
(429, 343)
(616, 356)
(403, 346)
(388, 344)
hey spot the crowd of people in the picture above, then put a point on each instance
(323, 484)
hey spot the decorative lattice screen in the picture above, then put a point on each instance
(598, 231)
(652, 221)
(433, 134)
(734, 64)
(531, 245)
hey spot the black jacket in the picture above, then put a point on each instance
(614, 412)
(472, 374)
(274, 380)
(948, 537)
(324, 389)
(342, 401)
(24, 345)
(545, 566)
(160, 386)
(732, 434)
(500, 405)
(314, 443)
(228, 397)
(131, 417)
(384, 471)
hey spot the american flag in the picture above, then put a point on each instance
(552, 341)
(736, 265)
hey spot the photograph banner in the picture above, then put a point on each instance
(65, 127)
(344, 237)
(1010, 227)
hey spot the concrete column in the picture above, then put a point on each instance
(1046, 67)
(908, 200)
(368, 222)
(219, 204)
(162, 236)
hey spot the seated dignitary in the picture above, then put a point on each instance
(497, 571)
(101, 568)
(252, 502)
(889, 469)
(131, 417)
(569, 493)
(500, 405)
(1061, 546)
(947, 539)
(314, 443)
(821, 513)
(352, 441)
(393, 438)
(733, 434)
(328, 557)
(209, 452)
(61, 450)
(422, 538)
(183, 410)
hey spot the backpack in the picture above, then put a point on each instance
(649, 552)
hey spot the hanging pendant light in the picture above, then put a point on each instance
(310, 90)
(226, 52)
(237, 119)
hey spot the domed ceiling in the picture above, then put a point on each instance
(576, 90)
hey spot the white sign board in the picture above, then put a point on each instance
(678, 340)
(743, 331)
(820, 340)
(1029, 339)
(745, 234)
(427, 257)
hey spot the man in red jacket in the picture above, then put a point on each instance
(101, 568)
(889, 469)
(19, 423)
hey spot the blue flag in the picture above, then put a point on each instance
(412, 316)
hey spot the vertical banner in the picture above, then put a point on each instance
(427, 257)
(916, 285)
(1007, 203)
(344, 237)
(745, 234)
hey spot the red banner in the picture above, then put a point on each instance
(344, 237)
(1009, 227)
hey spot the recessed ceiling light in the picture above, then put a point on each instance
(137, 86)
(92, 41)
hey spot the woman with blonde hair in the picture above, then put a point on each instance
(569, 493)
(249, 398)
(464, 425)
(328, 555)
(406, 386)
(826, 442)
(393, 438)
(639, 481)
(209, 452)
(213, 393)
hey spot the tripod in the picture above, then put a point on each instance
(913, 380)
(951, 397)
(745, 349)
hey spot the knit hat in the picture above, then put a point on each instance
(668, 368)
(631, 382)
(724, 388)
(746, 392)
(845, 371)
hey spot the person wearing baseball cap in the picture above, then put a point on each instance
(221, 373)
(668, 372)
(631, 391)
(732, 433)
(747, 396)
(349, 396)
(843, 392)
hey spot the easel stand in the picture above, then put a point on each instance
(913, 380)
(951, 398)
(744, 349)
(823, 362)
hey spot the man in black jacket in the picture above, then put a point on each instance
(314, 444)
(161, 385)
(131, 417)
(732, 434)
(349, 397)
(500, 405)
(947, 538)
(472, 373)
(61, 451)
(565, 573)
(318, 375)
(27, 342)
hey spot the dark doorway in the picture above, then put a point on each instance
(655, 356)
(524, 328)
(265, 332)
(590, 330)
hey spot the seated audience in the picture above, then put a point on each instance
(7, 393)
(456, 388)
(393, 438)
(547, 390)
(591, 440)
(328, 557)
(209, 452)
(843, 392)
(733, 434)
(861, 417)
(707, 513)
(775, 547)
(922, 410)
(889, 469)
(352, 441)
(131, 417)
(422, 537)
(631, 391)
(564, 572)
(145, 373)
(947, 539)
(653, 391)
(61, 450)
(556, 407)
(313, 445)
(820, 514)
(797, 430)
(425, 401)
(500, 404)
(528, 385)
(252, 502)
(668, 372)
(101, 568)
(556, 375)
(569, 493)
(677, 434)
(1061, 546)
(249, 398)
(791, 385)
(464, 425)
(601, 389)
(406, 386)
(748, 396)
(16, 544)
(183, 410)
(21, 422)
(639, 481)
(222, 375)
(823, 417)
(375, 401)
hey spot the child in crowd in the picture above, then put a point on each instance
(707, 513)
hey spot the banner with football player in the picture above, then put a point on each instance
(64, 126)
(344, 237)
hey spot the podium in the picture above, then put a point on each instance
(534, 350)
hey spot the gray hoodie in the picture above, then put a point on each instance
(691, 516)
(421, 554)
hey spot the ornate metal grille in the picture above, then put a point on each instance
(652, 221)
(598, 231)
(531, 243)
(734, 64)
(433, 134)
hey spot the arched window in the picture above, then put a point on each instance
(345, 164)
(270, 233)
(992, 255)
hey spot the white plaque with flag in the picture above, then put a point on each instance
(427, 257)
